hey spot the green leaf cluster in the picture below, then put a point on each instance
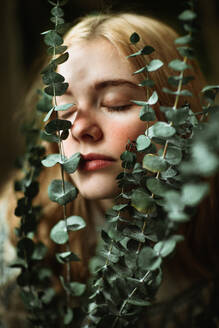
(157, 194)
(161, 183)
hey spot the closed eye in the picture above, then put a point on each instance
(67, 113)
(118, 108)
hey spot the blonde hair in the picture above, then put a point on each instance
(117, 28)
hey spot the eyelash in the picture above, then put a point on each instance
(118, 108)
(109, 109)
(66, 115)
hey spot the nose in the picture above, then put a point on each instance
(86, 127)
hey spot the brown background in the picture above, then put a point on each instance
(22, 21)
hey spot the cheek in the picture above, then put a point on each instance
(121, 132)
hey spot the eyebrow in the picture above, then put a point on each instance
(115, 82)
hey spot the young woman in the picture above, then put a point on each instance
(102, 87)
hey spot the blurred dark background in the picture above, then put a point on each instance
(21, 23)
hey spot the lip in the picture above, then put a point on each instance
(93, 162)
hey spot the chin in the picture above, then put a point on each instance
(97, 186)
(99, 193)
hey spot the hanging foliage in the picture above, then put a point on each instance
(158, 193)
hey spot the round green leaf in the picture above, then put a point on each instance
(134, 38)
(178, 65)
(186, 52)
(59, 233)
(141, 70)
(47, 117)
(175, 206)
(184, 92)
(39, 251)
(154, 65)
(64, 134)
(174, 80)
(179, 116)
(51, 160)
(205, 161)
(173, 155)
(140, 103)
(75, 223)
(210, 87)
(68, 317)
(210, 92)
(147, 83)
(147, 50)
(162, 130)
(128, 159)
(48, 137)
(156, 186)
(119, 207)
(61, 59)
(169, 173)
(134, 232)
(105, 237)
(77, 288)
(148, 259)
(71, 164)
(147, 114)
(142, 201)
(142, 142)
(165, 247)
(192, 193)
(52, 77)
(57, 125)
(154, 163)
(56, 89)
(57, 50)
(60, 196)
(144, 51)
(187, 15)
(57, 11)
(183, 39)
(63, 107)
(57, 20)
(53, 39)
(67, 257)
(138, 302)
(153, 98)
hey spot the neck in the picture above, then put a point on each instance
(105, 204)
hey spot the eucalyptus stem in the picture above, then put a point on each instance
(174, 108)
(62, 155)
(128, 298)
(179, 86)
(145, 223)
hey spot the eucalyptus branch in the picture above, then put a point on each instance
(61, 191)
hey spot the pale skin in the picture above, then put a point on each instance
(101, 85)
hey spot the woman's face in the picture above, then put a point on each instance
(101, 86)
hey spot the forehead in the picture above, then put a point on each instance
(96, 59)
